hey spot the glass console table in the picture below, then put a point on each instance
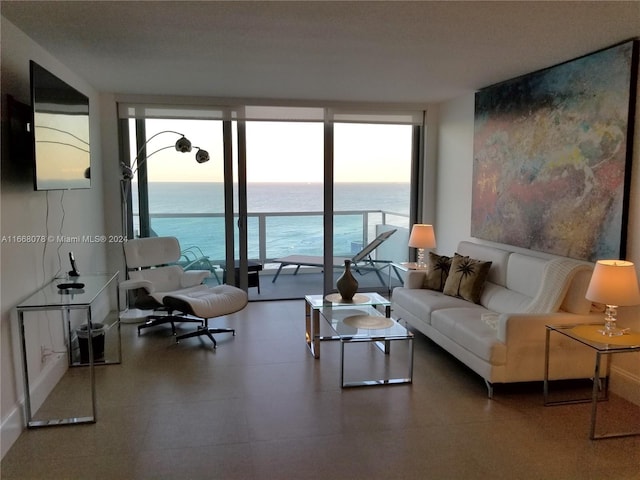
(49, 298)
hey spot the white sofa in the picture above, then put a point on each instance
(502, 338)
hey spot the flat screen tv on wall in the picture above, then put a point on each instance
(60, 132)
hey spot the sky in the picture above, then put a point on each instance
(285, 152)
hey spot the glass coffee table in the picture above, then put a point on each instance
(315, 305)
(357, 321)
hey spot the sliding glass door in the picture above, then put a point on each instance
(285, 202)
(181, 193)
(371, 190)
(174, 195)
(287, 194)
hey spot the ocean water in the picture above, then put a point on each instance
(284, 234)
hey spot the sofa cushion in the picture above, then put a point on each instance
(498, 258)
(466, 278)
(422, 302)
(465, 327)
(437, 271)
(502, 300)
(525, 274)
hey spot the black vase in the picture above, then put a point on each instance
(347, 285)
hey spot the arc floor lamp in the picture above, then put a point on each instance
(127, 173)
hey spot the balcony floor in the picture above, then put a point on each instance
(289, 286)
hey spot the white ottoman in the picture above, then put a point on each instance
(208, 303)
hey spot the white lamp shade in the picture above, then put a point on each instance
(614, 282)
(422, 236)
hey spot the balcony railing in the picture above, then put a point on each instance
(276, 234)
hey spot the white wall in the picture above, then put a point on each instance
(455, 154)
(453, 218)
(27, 267)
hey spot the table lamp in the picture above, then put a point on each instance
(614, 283)
(422, 236)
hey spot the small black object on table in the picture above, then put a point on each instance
(253, 275)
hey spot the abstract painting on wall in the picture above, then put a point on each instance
(552, 156)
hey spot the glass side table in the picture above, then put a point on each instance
(588, 335)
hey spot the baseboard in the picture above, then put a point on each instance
(10, 429)
(14, 423)
(625, 384)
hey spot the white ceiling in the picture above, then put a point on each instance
(384, 51)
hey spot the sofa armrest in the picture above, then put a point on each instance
(519, 327)
(414, 279)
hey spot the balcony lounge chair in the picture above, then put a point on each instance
(361, 262)
(192, 258)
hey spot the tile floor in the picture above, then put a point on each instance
(260, 407)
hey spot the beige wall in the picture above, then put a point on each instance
(453, 217)
(27, 267)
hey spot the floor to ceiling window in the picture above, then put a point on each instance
(287, 162)
(372, 186)
(284, 186)
(185, 198)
